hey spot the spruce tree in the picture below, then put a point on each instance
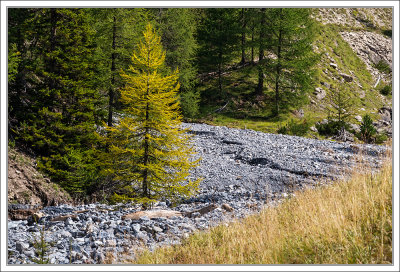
(149, 154)
(117, 30)
(56, 117)
(177, 27)
(341, 105)
(289, 68)
(219, 40)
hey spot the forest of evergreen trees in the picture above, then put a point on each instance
(66, 74)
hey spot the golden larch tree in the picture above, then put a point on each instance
(150, 155)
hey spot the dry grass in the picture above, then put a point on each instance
(346, 223)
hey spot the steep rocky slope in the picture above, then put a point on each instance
(29, 187)
(356, 49)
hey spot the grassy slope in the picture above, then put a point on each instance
(246, 112)
(347, 223)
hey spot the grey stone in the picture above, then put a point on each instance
(141, 236)
(135, 227)
(358, 118)
(21, 246)
(157, 229)
(29, 253)
(111, 243)
(374, 57)
(320, 93)
(346, 77)
(333, 65)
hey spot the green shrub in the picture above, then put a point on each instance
(387, 32)
(367, 130)
(383, 67)
(293, 128)
(332, 127)
(190, 103)
(386, 90)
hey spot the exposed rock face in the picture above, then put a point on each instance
(356, 17)
(371, 48)
(384, 125)
(27, 186)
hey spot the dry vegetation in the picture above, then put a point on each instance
(346, 223)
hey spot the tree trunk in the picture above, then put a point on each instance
(252, 45)
(111, 91)
(145, 186)
(243, 60)
(220, 72)
(53, 29)
(260, 86)
(278, 71)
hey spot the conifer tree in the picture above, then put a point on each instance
(56, 117)
(219, 40)
(340, 103)
(177, 28)
(149, 154)
(289, 68)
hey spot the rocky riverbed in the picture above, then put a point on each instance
(242, 171)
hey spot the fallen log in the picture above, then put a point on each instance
(151, 214)
(201, 211)
(64, 217)
(167, 213)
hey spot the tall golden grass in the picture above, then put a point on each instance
(346, 223)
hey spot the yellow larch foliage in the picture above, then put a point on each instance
(150, 155)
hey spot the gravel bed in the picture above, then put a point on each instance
(244, 169)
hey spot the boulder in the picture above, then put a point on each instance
(358, 118)
(374, 57)
(344, 136)
(355, 127)
(346, 77)
(333, 65)
(320, 93)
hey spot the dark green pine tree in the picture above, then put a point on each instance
(219, 39)
(177, 27)
(289, 68)
(61, 123)
(117, 30)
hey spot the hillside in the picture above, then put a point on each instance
(355, 46)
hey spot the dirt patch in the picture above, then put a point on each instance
(27, 186)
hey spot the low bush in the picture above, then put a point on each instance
(332, 127)
(368, 133)
(383, 67)
(294, 128)
(387, 32)
(367, 130)
(386, 90)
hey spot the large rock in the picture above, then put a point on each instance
(346, 77)
(374, 57)
(320, 93)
